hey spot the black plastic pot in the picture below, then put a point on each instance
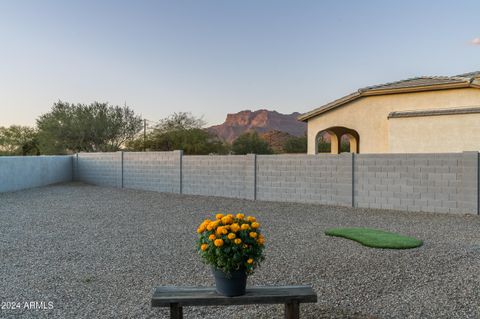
(231, 284)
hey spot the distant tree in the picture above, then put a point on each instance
(18, 140)
(180, 131)
(180, 121)
(251, 142)
(344, 146)
(324, 146)
(97, 127)
(295, 145)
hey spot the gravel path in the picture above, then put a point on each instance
(97, 253)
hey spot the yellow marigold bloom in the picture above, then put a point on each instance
(230, 215)
(227, 220)
(201, 229)
(231, 236)
(237, 241)
(211, 226)
(218, 242)
(219, 216)
(206, 222)
(221, 231)
(251, 219)
(245, 226)
(250, 261)
(255, 225)
(240, 216)
(253, 234)
(212, 237)
(261, 241)
(234, 227)
(204, 247)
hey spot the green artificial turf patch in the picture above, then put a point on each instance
(375, 238)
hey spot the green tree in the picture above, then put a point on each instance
(180, 131)
(180, 121)
(295, 145)
(97, 127)
(324, 146)
(249, 143)
(18, 140)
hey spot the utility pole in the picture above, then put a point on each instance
(144, 134)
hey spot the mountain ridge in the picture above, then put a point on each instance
(261, 121)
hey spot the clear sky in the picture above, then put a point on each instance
(212, 57)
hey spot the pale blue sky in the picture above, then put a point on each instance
(212, 57)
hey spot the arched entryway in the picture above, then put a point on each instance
(337, 134)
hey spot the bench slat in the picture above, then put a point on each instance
(207, 296)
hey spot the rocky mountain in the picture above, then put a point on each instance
(262, 121)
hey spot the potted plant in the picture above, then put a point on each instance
(233, 246)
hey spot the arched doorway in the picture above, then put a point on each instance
(340, 139)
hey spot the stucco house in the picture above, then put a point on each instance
(428, 114)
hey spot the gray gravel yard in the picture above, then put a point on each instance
(97, 252)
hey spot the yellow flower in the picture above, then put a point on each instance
(237, 241)
(261, 241)
(251, 219)
(212, 225)
(240, 216)
(253, 234)
(206, 222)
(219, 230)
(255, 225)
(218, 242)
(230, 215)
(201, 229)
(204, 247)
(234, 227)
(245, 226)
(231, 236)
(227, 220)
(212, 237)
(250, 261)
(219, 216)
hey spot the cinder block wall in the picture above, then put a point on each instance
(21, 172)
(227, 176)
(441, 183)
(322, 178)
(156, 171)
(102, 169)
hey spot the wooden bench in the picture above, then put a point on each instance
(178, 297)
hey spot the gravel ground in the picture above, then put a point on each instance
(97, 253)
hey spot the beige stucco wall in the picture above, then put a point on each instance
(435, 134)
(368, 116)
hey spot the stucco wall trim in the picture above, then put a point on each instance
(452, 111)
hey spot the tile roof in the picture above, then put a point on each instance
(418, 81)
(422, 83)
(470, 74)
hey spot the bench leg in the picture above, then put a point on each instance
(292, 310)
(176, 311)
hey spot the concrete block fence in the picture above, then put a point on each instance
(21, 172)
(441, 183)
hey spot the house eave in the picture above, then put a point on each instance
(373, 92)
